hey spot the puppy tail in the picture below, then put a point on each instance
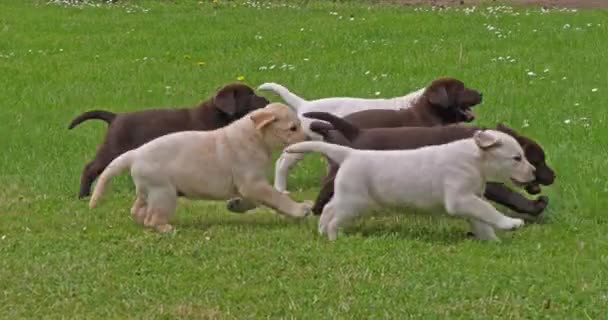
(293, 100)
(347, 129)
(115, 167)
(94, 114)
(334, 152)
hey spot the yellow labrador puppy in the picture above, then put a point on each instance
(215, 165)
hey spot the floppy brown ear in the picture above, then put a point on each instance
(439, 97)
(262, 118)
(225, 101)
(485, 140)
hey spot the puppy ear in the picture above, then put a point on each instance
(503, 128)
(439, 97)
(225, 101)
(262, 118)
(485, 140)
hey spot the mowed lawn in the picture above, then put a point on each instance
(544, 73)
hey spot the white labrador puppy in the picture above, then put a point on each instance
(451, 176)
(338, 106)
(217, 165)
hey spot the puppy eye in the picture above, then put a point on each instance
(517, 158)
(293, 128)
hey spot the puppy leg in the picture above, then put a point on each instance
(161, 205)
(474, 207)
(326, 192)
(513, 200)
(326, 217)
(240, 205)
(93, 169)
(138, 211)
(482, 230)
(90, 172)
(338, 211)
(325, 195)
(285, 162)
(265, 194)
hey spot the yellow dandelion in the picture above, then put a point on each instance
(201, 63)
(240, 78)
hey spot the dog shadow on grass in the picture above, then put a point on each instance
(260, 218)
(413, 225)
(435, 230)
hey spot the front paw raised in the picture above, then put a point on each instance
(510, 223)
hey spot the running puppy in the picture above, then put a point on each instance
(451, 176)
(340, 131)
(130, 130)
(444, 101)
(215, 165)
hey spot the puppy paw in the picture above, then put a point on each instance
(304, 209)
(510, 223)
(164, 228)
(541, 203)
(239, 205)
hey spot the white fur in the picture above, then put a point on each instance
(450, 176)
(339, 106)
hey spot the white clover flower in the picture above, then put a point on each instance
(567, 121)
(531, 74)
(377, 93)
(594, 90)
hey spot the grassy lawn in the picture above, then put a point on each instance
(544, 73)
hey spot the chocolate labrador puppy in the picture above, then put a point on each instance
(130, 130)
(341, 131)
(445, 101)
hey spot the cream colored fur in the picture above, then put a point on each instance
(216, 165)
(450, 176)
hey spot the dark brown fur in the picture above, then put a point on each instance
(445, 101)
(130, 130)
(404, 138)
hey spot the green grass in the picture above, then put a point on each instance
(60, 260)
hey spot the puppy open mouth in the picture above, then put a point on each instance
(468, 114)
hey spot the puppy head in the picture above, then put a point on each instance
(503, 159)
(536, 155)
(236, 100)
(278, 124)
(451, 100)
